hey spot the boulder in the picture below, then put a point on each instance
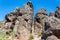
(50, 24)
(57, 12)
(52, 37)
(27, 8)
(52, 13)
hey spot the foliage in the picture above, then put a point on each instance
(31, 37)
(0, 22)
(4, 36)
(39, 33)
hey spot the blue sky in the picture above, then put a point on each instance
(7, 6)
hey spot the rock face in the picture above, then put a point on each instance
(52, 13)
(52, 37)
(21, 22)
(41, 14)
(57, 12)
(50, 24)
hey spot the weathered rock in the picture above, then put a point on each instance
(22, 23)
(13, 15)
(42, 11)
(17, 9)
(10, 17)
(57, 12)
(40, 20)
(50, 24)
(52, 37)
(52, 13)
(37, 28)
(27, 8)
(5, 27)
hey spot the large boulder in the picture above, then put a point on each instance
(39, 21)
(23, 23)
(27, 8)
(12, 15)
(52, 37)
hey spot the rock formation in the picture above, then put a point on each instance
(52, 13)
(50, 24)
(20, 21)
(57, 12)
(43, 26)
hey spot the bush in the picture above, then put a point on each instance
(31, 37)
(39, 33)
(0, 22)
(3, 35)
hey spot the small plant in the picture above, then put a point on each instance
(10, 32)
(39, 33)
(0, 22)
(31, 37)
(4, 36)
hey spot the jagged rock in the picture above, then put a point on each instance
(7, 26)
(52, 37)
(13, 15)
(10, 17)
(22, 23)
(27, 8)
(50, 25)
(40, 16)
(57, 12)
(54, 25)
(39, 20)
(17, 9)
(42, 11)
(52, 13)
(37, 28)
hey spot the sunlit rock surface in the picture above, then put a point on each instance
(42, 26)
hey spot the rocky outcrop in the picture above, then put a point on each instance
(50, 24)
(22, 23)
(52, 13)
(52, 38)
(57, 12)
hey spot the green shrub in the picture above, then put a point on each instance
(3, 35)
(39, 33)
(0, 22)
(31, 37)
